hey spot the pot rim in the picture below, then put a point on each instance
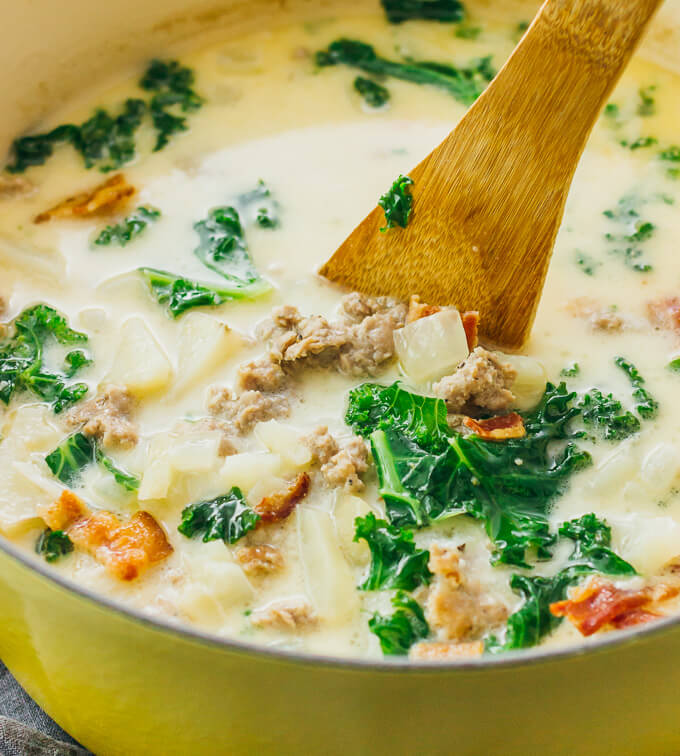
(510, 659)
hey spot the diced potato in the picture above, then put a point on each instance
(245, 470)
(204, 344)
(615, 470)
(648, 543)
(31, 428)
(140, 363)
(48, 264)
(432, 347)
(284, 441)
(529, 386)
(198, 454)
(347, 508)
(22, 491)
(660, 469)
(265, 487)
(329, 580)
(216, 587)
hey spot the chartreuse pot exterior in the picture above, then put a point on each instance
(126, 686)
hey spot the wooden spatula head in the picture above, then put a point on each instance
(488, 202)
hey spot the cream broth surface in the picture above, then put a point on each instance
(326, 157)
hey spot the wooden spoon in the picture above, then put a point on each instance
(489, 200)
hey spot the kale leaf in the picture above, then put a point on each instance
(374, 94)
(72, 456)
(635, 232)
(109, 141)
(173, 85)
(427, 472)
(396, 562)
(265, 207)
(671, 155)
(53, 544)
(647, 407)
(181, 294)
(397, 203)
(225, 518)
(464, 83)
(36, 149)
(22, 358)
(646, 105)
(591, 554)
(406, 626)
(571, 371)
(607, 415)
(124, 232)
(447, 11)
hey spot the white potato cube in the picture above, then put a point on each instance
(284, 441)
(529, 385)
(204, 344)
(432, 347)
(327, 575)
(648, 543)
(140, 364)
(215, 588)
(347, 508)
(247, 469)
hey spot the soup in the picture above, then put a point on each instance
(197, 425)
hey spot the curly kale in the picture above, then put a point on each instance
(77, 452)
(607, 415)
(22, 358)
(53, 544)
(399, 631)
(446, 11)
(128, 229)
(260, 207)
(591, 555)
(374, 94)
(397, 203)
(646, 406)
(464, 83)
(227, 518)
(396, 562)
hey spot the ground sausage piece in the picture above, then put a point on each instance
(288, 614)
(279, 505)
(343, 468)
(107, 417)
(456, 609)
(356, 307)
(370, 344)
(665, 313)
(246, 410)
(481, 382)
(262, 375)
(322, 445)
(259, 560)
(446, 651)
(15, 186)
(600, 318)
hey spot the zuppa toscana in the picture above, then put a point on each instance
(197, 425)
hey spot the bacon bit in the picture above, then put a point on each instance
(259, 560)
(279, 505)
(64, 512)
(665, 313)
(599, 603)
(105, 198)
(418, 310)
(444, 651)
(124, 549)
(497, 428)
(471, 325)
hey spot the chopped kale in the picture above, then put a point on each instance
(71, 457)
(397, 203)
(398, 632)
(612, 110)
(465, 83)
(173, 85)
(571, 370)
(606, 414)
(674, 365)
(591, 554)
(227, 518)
(109, 141)
(260, 207)
(427, 472)
(671, 155)
(468, 32)
(447, 11)
(124, 232)
(36, 149)
(587, 263)
(22, 357)
(53, 544)
(374, 94)
(265, 219)
(646, 105)
(396, 562)
(635, 232)
(646, 406)
(181, 294)
(639, 143)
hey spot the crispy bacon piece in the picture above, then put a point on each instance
(105, 198)
(125, 549)
(497, 428)
(664, 313)
(446, 651)
(471, 325)
(418, 309)
(600, 603)
(279, 505)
